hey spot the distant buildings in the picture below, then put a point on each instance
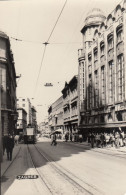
(63, 113)
(70, 105)
(7, 87)
(33, 117)
(24, 104)
(43, 127)
(102, 71)
(22, 120)
(55, 114)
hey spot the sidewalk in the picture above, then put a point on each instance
(5, 164)
(86, 144)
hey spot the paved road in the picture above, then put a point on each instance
(66, 169)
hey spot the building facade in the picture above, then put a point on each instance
(8, 87)
(50, 118)
(55, 115)
(70, 105)
(102, 70)
(22, 120)
(33, 118)
(26, 105)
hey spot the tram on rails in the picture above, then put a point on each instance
(30, 135)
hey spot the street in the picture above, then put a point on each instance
(68, 168)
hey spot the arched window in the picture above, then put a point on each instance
(119, 33)
(110, 41)
(102, 48)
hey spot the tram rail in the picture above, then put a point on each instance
(80, 185)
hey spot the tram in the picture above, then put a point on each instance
(30, 135)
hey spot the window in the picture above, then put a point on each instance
(89, 59)
(23, 99)
(110, 77)
(120, 67)
(102, 48)
(96, 88)
(103, 84)
(23, 105)
(110, 41)
(95, 54)
(90, 91)
(119, 34)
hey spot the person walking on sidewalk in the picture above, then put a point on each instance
(5, 137)
(16, 138)
(53, 137)
(10, 146)
(92, 139)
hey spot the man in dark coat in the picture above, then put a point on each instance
(5, 137)
(92, 137)
(10, 146)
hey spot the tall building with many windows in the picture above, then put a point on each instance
(70, 105)
(102, 70)
(26, 105)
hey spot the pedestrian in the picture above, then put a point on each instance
(89, 138)
(112, 140)
(66, 137)
(4, 143)
(92, 137)
(10, 146)
(53, 137)
(121, 141)
(96, 139)
(71, 136)
(16, 138)
(102, 139)
(107, 139)
(80, 138)
(117, 137)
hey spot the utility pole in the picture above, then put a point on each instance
(1, 145)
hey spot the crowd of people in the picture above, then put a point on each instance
(114, 139)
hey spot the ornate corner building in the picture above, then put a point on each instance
(102, 70)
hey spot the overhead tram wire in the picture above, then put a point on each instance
(40, 42)
(57, 21)
(40, 69)
(46, 43)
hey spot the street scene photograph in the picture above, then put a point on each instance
(62, 97)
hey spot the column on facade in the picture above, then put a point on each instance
(92, 74)
(115, 67)
(99, 72)
(106, 66)
(124, 34)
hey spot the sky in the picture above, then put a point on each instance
(32, 22)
